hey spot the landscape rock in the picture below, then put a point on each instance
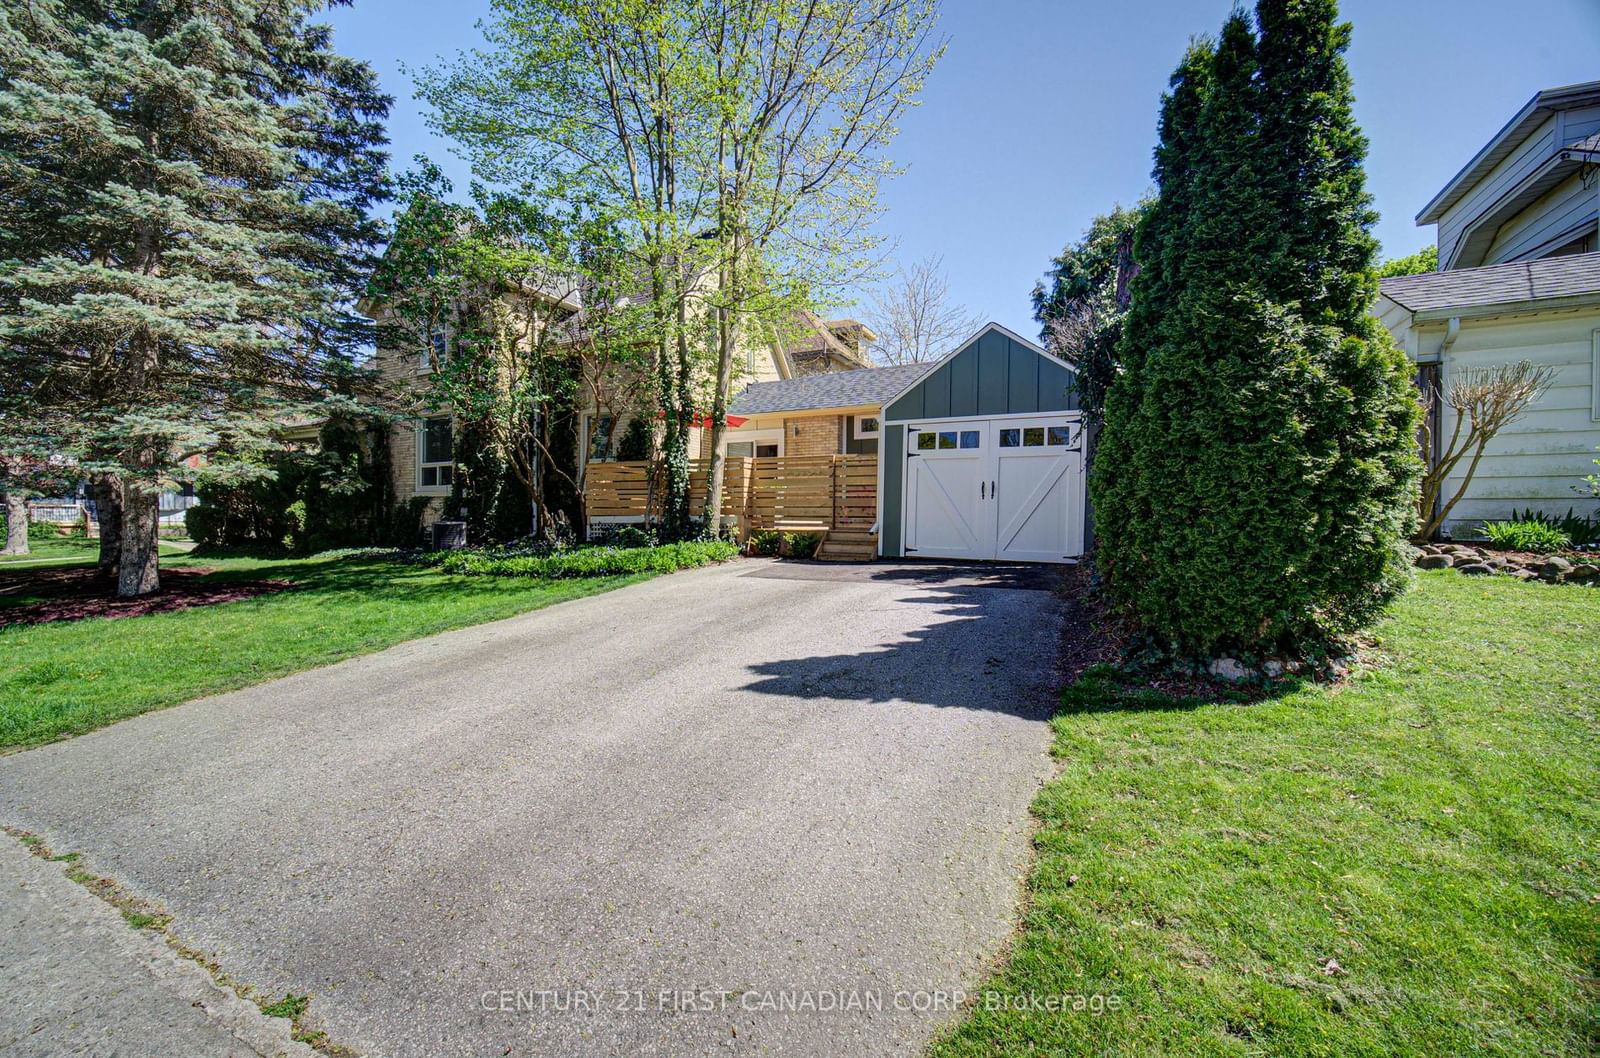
(1476, 569)
(1525, 574)
(1555, 569)
(1583, 571)
(1434, 562)
(1228, 669)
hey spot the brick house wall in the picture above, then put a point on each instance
(813, 435)
(403, 373)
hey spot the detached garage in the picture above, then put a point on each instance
(982, 457)
(975, 456)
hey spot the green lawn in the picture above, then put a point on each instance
(64, 550)
(54, 550)
(1432, 828)
(70, 677)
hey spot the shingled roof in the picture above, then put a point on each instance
(869, 386)
(1504, 284)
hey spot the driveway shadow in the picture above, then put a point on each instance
(989, 642)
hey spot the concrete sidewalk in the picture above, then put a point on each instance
(78, 980)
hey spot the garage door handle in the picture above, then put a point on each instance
(993, 492)
(981, 486)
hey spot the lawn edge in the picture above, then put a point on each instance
(625, 580)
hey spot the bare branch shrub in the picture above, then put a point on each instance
(1485, 401)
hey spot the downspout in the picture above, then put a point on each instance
(1452, 331)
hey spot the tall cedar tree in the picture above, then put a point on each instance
(188, 185)
(1254, 480)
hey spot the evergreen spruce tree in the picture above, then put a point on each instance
(1260, 489)
(187, 185)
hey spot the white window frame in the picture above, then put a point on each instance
(758, 437)
(422, 441)
(862, 434)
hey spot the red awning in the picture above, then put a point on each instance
(703, 421)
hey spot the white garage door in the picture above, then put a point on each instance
(995, 488)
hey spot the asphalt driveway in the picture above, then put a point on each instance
(707, 805)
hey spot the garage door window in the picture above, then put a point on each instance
(969, 438)
(1033, 437)
(947, 439)
(1059, 435)
(927, 442)
(1010, 438)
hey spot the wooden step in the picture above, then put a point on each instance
(834, 551)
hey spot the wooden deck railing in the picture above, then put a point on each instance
(832, 491)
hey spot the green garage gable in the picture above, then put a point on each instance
(994, 373)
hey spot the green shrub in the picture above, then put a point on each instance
(636, 441)
(337, 494)
(1525, 536)
(633, 536)
(1580, 531)
(765, 542)
(589, 561)
(206, 525)
(403, 526)
(803, 545)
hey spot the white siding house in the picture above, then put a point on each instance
(1519, 279)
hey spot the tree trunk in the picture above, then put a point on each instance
(16, 524)
(107, 492)
(727, 338)
(139, 571)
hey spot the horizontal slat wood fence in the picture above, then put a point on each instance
(832, 491)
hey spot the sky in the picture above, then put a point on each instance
(1042, 113)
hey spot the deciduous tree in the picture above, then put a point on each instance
(1081, 303)
(915, 317)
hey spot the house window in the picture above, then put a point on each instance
(435, 454)
(766, 444)
(437, 350)
(866, 426)
(601, 427)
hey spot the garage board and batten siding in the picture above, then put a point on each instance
(996, 381)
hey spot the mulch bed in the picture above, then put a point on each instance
(1095, 635)
(76, 593)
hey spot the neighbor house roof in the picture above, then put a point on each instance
(1502, 285)
(1534, 112)
(868, 386)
